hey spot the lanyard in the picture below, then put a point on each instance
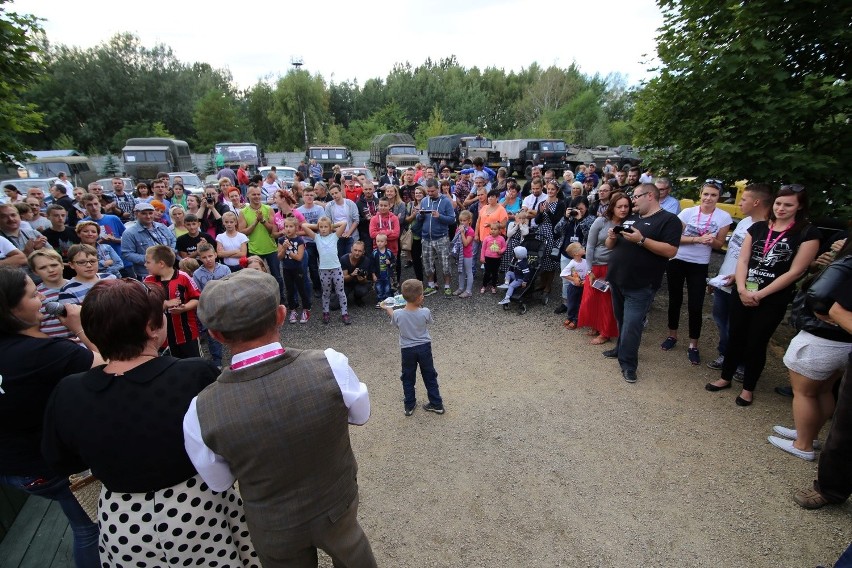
(257, 358)
(706, 225)
(769, 244)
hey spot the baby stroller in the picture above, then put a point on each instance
(525, 294)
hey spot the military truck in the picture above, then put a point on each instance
(395, 147)
(232, 154)
(521, 155)
(328, 157)
(144, 158)
(459, 150)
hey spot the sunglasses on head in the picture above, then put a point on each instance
(717, 183)
(794, 187)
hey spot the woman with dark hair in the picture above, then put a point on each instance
(32, 364)
(596, 305)
(575, 229)
(774, 255)
(120, 418)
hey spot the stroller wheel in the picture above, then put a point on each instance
(522, 310)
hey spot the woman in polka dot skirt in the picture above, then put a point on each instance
(124, 421)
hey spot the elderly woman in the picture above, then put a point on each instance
(116, 420)
(32, 364)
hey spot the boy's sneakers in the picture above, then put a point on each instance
(293, 317)
(346, 319)
(429, 290)
(410, 411)
(503, 302)
(447, 291)
(326, 317)
(433, 408)
(306, 315)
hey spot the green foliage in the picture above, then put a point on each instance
(139, 130)
(63, 142)
(435, 126)
(111, 166)
(19, 68)
(210, 165)
(753, 90)
(217, 118)
(299, 102)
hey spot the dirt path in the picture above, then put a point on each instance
(546, 457)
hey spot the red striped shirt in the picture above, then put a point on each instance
(182, 327)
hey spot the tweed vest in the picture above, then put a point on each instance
(283, 427)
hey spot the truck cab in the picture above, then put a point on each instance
(328, 157)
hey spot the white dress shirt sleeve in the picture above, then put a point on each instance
(355, 395)
(212, 468)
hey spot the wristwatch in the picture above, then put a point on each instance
(641, 242)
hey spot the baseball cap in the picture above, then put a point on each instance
(143, 207)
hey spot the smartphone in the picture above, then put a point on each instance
(601, 284)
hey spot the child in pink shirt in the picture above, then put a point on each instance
(492, 249)
(466, 269)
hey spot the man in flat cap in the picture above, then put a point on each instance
(277, 420)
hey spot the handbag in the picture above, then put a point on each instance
(406, 239)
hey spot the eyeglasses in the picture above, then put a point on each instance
(794, 187)
(85, 262)
(717, 183)
(638, 195)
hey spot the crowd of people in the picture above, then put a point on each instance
(165, 268)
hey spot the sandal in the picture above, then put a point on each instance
(599, 340)
(669, 343)
(810, 499)
(570, 324)
(482, 290)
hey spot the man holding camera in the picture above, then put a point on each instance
(358, 273)
(641, 249)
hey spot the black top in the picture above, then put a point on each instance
(779, 256)
(632, 266)
(365, 264)
(127, 428)
(189, 244)
(68, 204)
(31, 367)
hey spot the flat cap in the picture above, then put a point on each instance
(238, 301)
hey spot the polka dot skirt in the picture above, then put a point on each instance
(183, 525)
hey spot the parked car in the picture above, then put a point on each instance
(23, 184)
(191, 182)
(286, 174)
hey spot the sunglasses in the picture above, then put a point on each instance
(794, 187)
(717, 183)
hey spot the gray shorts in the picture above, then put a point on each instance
(814, 357)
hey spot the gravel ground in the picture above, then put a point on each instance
(546, 457)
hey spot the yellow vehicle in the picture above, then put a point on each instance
(732, 208)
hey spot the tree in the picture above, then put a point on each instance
(755, 90)
(111, 166)
(217, 119)
(19, 67)
(299, 103)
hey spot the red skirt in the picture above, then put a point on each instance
(596, 307)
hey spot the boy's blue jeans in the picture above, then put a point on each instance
(383, 287)
(214, 347)
(84, 530)
(411, 357)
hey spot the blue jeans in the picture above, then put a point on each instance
(411, 357)
(721, 315)
(214, 347)
(383, 287)
(85, 531)
(563, 262)
(275, 268)
(630, 307)
(344, 245)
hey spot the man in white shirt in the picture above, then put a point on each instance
(534, 199)
(296, 407)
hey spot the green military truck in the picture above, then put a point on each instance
(394, 147)
(459, 150)
(328, 157)
(522, 154)
(144, 158)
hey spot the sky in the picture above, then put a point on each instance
(346, 40)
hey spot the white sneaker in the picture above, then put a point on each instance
(503, 302)
(503, 286)
(791, 434)
(787, 446)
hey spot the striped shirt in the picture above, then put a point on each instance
(51, 325)
(74, 291)
(182, 327)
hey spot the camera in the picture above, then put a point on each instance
(621, 229)
(574, 213)
(209, 200)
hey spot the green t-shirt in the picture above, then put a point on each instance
(260, 241)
